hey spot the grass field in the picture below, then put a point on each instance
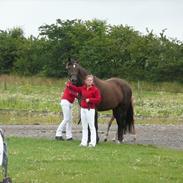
(47, 161)
(29, 100)
(35, 100)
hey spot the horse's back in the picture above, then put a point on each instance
(124, 85)
(113, 92)
(119, 82)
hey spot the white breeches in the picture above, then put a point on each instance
(67, 119)
(88, 118)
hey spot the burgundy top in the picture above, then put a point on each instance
(92, 93)
(69, 94)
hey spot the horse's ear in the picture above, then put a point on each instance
(69, 59)
(69, 62)
(77, 61)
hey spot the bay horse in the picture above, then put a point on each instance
(116, 95)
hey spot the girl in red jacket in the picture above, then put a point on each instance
(66, 103)
(90, 98)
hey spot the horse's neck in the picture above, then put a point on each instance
(83, 73)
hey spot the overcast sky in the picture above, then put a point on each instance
(155, 15)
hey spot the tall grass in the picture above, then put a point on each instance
(172, 87)
(160, 101)
(31, 93)
(31, 100)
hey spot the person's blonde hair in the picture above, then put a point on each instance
(89, 76)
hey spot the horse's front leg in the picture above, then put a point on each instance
(96, 126)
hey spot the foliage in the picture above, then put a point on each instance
(9, 49)
(34, 57)
(104, 49)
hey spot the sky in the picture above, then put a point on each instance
(155, 15)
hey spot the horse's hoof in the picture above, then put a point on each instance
(118, 142)
(7, 180)
(134, 138)
(98, 140)
(114, 139)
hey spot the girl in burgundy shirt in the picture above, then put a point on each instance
(67, 100)
(91, 97)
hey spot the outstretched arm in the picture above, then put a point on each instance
(73, 87)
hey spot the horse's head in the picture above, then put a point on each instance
(73, 69)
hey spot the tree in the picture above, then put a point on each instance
(9, 48)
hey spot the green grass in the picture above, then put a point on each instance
(47, 161)
(29, 100)
(30, 93)
(161, 104)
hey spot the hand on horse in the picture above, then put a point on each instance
(67, 85)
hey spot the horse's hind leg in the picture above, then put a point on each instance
(120, 130)
(134, 134)
(108, 128)
(118, 115)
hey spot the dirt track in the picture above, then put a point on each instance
(159, 135)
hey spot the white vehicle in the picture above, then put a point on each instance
(4, 158)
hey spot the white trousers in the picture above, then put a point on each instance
(88, 118)
(67, 119)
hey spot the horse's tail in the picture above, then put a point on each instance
(130, 118)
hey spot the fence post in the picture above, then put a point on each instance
(5, 85)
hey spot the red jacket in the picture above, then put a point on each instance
(69, 94)
(92, 93)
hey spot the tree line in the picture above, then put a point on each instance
(106, 50)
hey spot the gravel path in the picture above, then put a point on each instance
(159, 135)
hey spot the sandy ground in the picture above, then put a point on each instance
(159, 135)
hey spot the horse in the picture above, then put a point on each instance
(116, 94)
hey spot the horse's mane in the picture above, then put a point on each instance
(83, 72)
